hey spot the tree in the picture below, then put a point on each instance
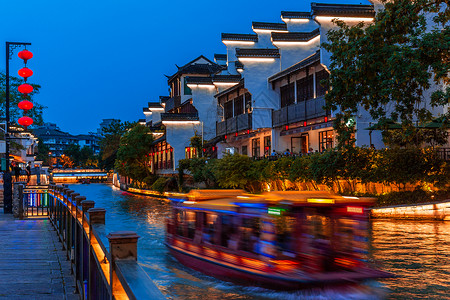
(66, 161)
(15, 97)
(387, 66)
(43, 153)
(133, 154)
(110, 142)
(73, 151)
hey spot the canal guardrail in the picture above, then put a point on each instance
(104, 265)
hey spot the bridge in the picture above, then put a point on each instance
(77, 175)
(93, 263)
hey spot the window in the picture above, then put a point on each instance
(305, 88)
(321, 89)
(239, 105)
(244, 150)
(255, 147)
(287, 94)
(228, 107)
(325, 140)
(267, 145)
(248, 102)
(187, 90)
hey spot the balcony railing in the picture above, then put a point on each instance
(238, 123)
(298, 112)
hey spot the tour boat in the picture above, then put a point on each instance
(279, 240)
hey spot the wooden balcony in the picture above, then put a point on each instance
(298, 112)
(238, 123)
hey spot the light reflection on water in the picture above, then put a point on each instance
(417, 251)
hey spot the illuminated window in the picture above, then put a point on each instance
(267, 145)
(256, 147)
(325, 140)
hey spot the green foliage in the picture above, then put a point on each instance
(132, 156)
(160, 184)
(387, 64)
(201, 169)
(15, 97)
(81, 157)
(232, 171)
(42, 153)
(196, 142)
(110, 142)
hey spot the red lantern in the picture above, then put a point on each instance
(25, 88)
(326, 119)
(25, 73)
(25, 105)
(25, 55)
(304, 123)
(287, 127)
(25, 121)
(236, 134)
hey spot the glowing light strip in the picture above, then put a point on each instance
(295, 20)
(287, 43)
(256, 59)
(147, 113)
(193, 85)
(351, 19)
(316, 200)
(180, 122)
(156, 109)
(269, 30)
(225, 83)
(238, 42)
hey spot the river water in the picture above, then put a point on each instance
(417, 252)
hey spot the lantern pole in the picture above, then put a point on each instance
(7, 178)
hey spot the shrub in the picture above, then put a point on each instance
(160, 184)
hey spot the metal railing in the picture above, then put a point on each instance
(301, 111)
(235, 124)
(104, 266)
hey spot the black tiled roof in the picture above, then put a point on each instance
(145, 109)
(269, 26)
(238, 65)
(295, 36)
(179, 117)
(239, 37)
(154, 104)
(226, 78)
(295, 15)
(195, 68)
(198, 80)
(342, 10)
(257, 53)
(220, 56)
(301, 64)
(230, 89)
(163, 99)
(141, 120)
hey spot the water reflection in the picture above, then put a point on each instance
(419, 253)
(416, 251)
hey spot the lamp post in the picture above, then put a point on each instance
(7, 178)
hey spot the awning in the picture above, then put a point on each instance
(441, 122)
(17, 158)
(385, 124)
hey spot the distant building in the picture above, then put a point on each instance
(105, 123)
(89, 140)
(55, 139)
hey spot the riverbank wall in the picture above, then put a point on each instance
(437, 211)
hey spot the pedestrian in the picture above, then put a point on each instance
(274, 153)
(28, 169)
(17, 172)
(287, 153)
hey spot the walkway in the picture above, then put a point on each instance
(32, 262)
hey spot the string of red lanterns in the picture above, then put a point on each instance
(25, 89)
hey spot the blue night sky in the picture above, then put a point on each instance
(107, 59)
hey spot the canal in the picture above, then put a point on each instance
(418, 252)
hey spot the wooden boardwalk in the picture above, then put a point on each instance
(32, 262)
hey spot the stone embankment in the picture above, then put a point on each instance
(439, 211)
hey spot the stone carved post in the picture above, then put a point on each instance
(96, 216)
(122, 245)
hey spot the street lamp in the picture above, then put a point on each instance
(7, 178)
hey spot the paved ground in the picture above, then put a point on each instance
(32, 262)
